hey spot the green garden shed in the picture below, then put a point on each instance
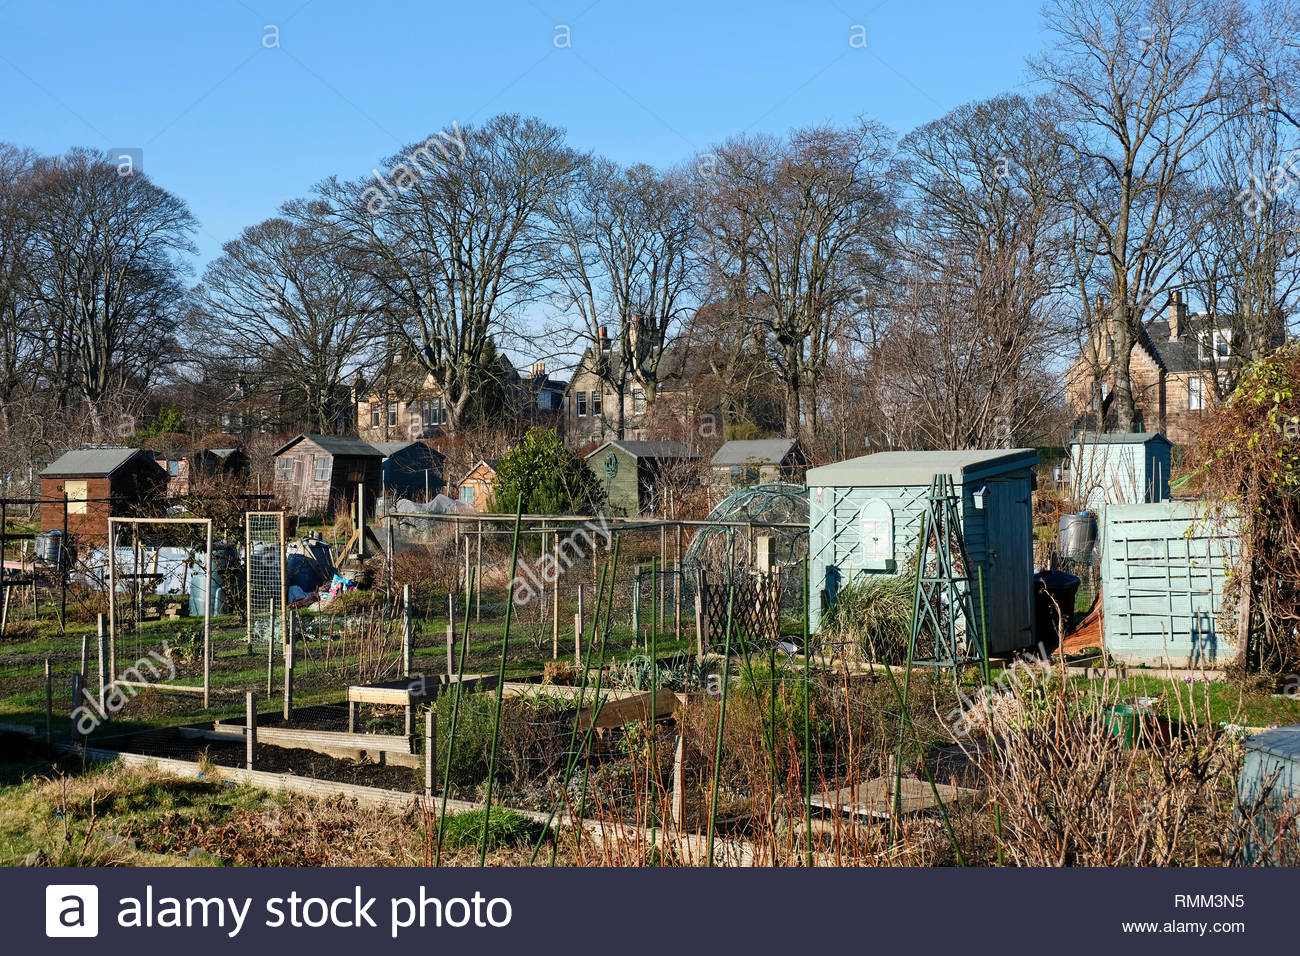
(865, 519)
(638, 475)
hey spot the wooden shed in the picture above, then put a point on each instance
(475, 489)
(1126, 468)
(740, 464)
(316, 473)
(186, 470)
(411, 468)
(100, 483)
(865, 519)
(631, 472)
(1163, 570)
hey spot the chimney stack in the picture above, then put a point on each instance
(604, 338)
(1177, 314)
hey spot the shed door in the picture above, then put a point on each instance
(1011, 565)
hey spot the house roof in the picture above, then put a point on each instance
(1121, 438)
(336, 445)
(659, 450)
(94, 462)
(893, 468)
(1182, 354)
(761, 451)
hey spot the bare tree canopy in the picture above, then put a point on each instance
(797, 237)
(453, 240)
(283, 307)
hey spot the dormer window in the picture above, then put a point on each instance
(1216, 345)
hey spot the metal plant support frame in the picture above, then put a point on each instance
(266, 593)
(944, 586)
(135, 524)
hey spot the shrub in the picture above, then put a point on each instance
(547, 477)
(505, 828)
(876, 613)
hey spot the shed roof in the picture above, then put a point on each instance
(761, 451)
(892, 468)
(1121, 438)
(93, 462)
(336, 445)
(1280, 742)
(391, 448)
(662, 450)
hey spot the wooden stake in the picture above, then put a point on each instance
(85, 653)
(430, 749)
(103, 651)
(288, 675)
(679, 784)
(250, 728)
(49, 706)
(451, 633)
(73, 735)
(577, 632)
(701, 625)
(406, 629)
(677, 600)
(270, 649)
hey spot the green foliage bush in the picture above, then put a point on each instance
(505, 828)
(875, 611)
(550, 478)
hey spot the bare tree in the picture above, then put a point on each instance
(1142, 88)
(977, 320)
(797, 235)
(452, 237)
(281, 301)
(626, 259)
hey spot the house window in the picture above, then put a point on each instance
(638, 401)
(467, 494)
(392, 414)
(433, 411)
(77, 493)
(1195, 394)
(596, 400)
(582, 404)
(374, 414)
(173, 468)
(321, 470)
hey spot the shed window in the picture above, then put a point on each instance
(77, 492)
(321, 469)
(283, 467)
(467, 494)
(173, 468)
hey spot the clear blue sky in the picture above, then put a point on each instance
(235, 125)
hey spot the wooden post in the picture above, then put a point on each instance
(250, 728)
(49, 706)
(103, 651)
(288, 675)
(406, 629)
(248, 584)
(677, 601)
(636, 609)
(85, 653)
(388, 562)
(451, 634)
(679, 783)
(112, 603)
(555, 596)
(77, 685)
(207, 620)
(430, 748)
(701, 624)
(352, 716)
(270, 649)
(577, 632)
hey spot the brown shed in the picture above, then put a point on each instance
(314, 473)
(475, 489)
(187, 471)
(99, 483)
